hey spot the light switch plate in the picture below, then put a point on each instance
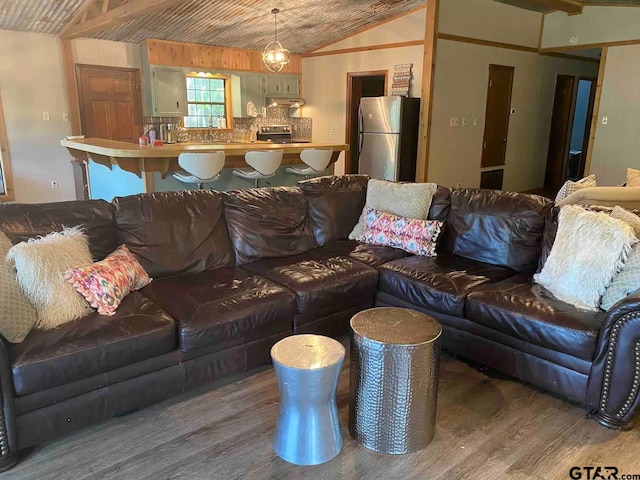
(605, 120)
(453, 122)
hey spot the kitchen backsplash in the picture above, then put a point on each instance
(300, 126)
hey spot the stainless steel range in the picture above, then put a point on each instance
(275, 133)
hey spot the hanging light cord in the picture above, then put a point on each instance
(275, 12)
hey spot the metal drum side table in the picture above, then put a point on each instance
(308, 428)
(395, 355)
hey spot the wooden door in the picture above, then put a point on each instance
(110, 104)
(498, 111)
(560, 136)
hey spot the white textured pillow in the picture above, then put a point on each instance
(590, 248)
(570, 186)
(403, 199)
(17, 315)
(40, 265)
(628, 279)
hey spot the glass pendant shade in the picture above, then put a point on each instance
(274, 56)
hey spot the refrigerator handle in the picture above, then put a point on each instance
(359, 130)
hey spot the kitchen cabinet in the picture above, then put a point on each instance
(168, 92)
(292, 86)
(282, 86)
(253, 90)
(274, 85)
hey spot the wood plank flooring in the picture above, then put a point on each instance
(487, 428)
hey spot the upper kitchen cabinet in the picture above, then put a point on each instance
(253, 90)
(292, 86)
(168, 92)
(282, 86)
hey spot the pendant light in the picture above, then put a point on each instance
(274, 57)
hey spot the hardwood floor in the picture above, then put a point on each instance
(488, 428)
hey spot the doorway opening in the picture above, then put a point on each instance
(360, 84)
(570, 128)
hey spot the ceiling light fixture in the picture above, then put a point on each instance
(274, 56)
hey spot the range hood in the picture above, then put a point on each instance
(285, 102)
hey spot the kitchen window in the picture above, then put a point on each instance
(208, 100)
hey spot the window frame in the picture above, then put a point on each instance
(228, 107)
(5, 160)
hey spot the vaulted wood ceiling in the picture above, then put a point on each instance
(303, 25)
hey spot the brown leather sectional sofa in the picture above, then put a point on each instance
(236, 272)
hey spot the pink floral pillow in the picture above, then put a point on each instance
(409, 234)
(104, 284)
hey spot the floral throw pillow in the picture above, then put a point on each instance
(409, 234)
(104, 284)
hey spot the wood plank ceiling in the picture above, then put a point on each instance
(303, 25)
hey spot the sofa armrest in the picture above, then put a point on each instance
(614, 381)
(8, 437)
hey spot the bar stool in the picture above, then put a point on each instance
(317, 160)
(264, 164)
(200, 168)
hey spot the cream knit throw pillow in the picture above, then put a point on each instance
(40, 265)
(411, 200)
(628, 279)
(590, 248)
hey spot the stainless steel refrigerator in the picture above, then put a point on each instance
(389, 137)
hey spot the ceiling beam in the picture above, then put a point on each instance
(110, 14)
(572, 7)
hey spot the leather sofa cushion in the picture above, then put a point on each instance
(527, 311)
(372, 255)
(268, 222)
(322, 285)
(21, 222)
(335, 205)
(440, 205)
(94, 344)
(500, 228)
(172, 233)
(223, 308)
(439, 283)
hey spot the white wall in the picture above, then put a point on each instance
(617, 144)
(460, 90)
(594, 25)
(490, 20)
(103, 52)
(325, 77)
(32, 82)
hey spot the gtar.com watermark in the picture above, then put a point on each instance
(600, 473)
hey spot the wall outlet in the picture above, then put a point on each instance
(333, 130)
(464, 122)
(54, 184)
(453, 122)
(514, 111)
(458, 185)
(573, 40)
(45, 115)
(605, 120)
(65, 117)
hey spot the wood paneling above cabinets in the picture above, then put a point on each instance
(176, 54)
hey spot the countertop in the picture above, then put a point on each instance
(140, 159)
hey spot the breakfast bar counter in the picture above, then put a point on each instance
(139, 159)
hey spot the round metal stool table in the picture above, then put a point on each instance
(395, 355)
(308, 428)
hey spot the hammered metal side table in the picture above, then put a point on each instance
(308, 427)
(395, 355)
